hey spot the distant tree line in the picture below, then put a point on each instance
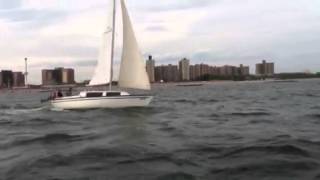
(209, 77)
(284, 76)
(297, 75)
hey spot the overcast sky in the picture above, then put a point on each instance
(218, 32)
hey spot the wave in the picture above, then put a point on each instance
(311, 95)
(36, 122)
(13, 111)
(214, 115)
(250, 114)
(168, 129)
(177, 176)
(305, 94)
(261, 121)
(48, 139)
(309, 142)
(10, 157)
(157, 158)
(5, 122)
(17, 107)
(209, 100)
(185, 101)
(314, 116)
(274, 167)
(208, 149)
(283, 149)
(42, 120)
(58, 110)
(85, 156)
(148, 158)
(98, 153)
(2, 106)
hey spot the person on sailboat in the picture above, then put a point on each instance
(59, 94)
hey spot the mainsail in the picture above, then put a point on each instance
(133, 73)
(102, 72)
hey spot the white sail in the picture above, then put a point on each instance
(133, 73)
(102, 72)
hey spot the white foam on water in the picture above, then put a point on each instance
(58, 110)
(14, 111)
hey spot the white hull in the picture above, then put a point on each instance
(78, 103)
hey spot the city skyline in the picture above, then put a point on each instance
(56, 33)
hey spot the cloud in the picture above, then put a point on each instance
(63, 63)
(169, 5)
(22, 15)
(217, 32)
(10, 4)
(156, 28)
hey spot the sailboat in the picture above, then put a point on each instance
(133, 73)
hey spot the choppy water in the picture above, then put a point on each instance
(217, 131)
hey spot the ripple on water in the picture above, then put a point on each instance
(177, 176)
(261, 121)
(5, 121)
(2, 106)
(274, 168)
(245, 114)
(282, 149)
(34, 122)
(208, 100)
(186, 101)
(317, 116)
(48, 139)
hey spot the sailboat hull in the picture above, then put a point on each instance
(78, 103)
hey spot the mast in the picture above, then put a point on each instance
(112, 43)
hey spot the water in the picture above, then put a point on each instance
(246, 130)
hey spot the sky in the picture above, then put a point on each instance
(67, 33)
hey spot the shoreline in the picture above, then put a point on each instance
(181, 84)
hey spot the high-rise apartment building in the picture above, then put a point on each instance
(214, 71)
(244, 70)
(170, 73)
(47, 77)
(197, 71)
(204, 70)
(184, 70)
(159, 73)
(192, 73)
(18, 79)
(7, 79)
(68, 76)
(57, 76)
(226, 70)
(150, 66)
(265, 69)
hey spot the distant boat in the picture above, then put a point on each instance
(132, 73)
